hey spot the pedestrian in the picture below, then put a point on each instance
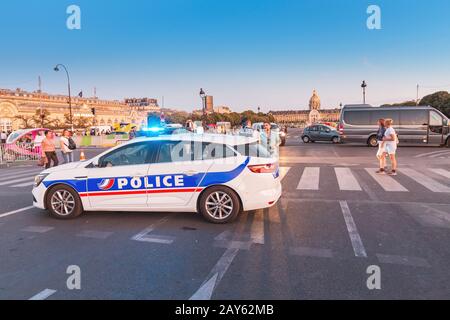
(247, 130)
(390, 140)
(67, 146)
(270, 139)
(49, 149)
(132, 133)
(3, 137)
(381, 155)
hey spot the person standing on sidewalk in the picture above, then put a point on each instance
(66, 145)
(391, 140)
(3, 137)
(49, 149)
(381, 155)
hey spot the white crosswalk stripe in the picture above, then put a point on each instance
(24, 175)
(4, 183)
(7, 174)
(386, 182)
(441, 172)
(346, 180)
(309, 179)
(425, 181)
(21, 185)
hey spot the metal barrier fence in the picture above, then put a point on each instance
(19, 152)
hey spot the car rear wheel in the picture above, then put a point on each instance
(372, 142)
(219, 205)
(306, 139)
(63, 203)
(335, 139)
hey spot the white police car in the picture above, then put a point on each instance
(217, 175)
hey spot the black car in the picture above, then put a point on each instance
(320, 132)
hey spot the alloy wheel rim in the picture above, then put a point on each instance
(219, 205)
(63, 202)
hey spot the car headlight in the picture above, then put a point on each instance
(39, 178)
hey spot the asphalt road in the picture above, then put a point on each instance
(334, 220)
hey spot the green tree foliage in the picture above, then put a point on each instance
(439, 100)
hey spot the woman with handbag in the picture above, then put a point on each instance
(391, 141)
(65, 145)
(49, 150)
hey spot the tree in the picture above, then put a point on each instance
(27, 121)
(439, 100)
(42, 118)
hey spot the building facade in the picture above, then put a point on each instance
(314, 115)
(18, 106)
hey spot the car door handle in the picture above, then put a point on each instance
(190, 172)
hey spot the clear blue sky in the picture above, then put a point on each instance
(263, 53)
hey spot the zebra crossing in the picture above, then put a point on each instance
(436, 180)
(18, 178)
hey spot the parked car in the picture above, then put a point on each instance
(320, 132)
(217, 175)
(423, 125)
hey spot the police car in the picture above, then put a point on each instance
(216, 175)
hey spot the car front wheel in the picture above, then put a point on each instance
(219, 205)
(306, 139)
(372, 142)
(63, 203)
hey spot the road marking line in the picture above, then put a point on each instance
(403, 260)
(218, 271)
(7, 177)
(8, 173)
(386, 182)
(223, 236)
(257, 228)
(309, 179)
(4, 183)
(429, 153)
(346, 180)
(37, 229)
(355, 238)
(425, 181)
(144, 235)
(311, 252)
(441, 172)
(26, 184)
(44, 294)
(439, 155)
(15, 211)
(283, 172)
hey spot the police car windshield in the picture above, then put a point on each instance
(253, 150)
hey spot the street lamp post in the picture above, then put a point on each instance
(364, 86)
(203, 96)
(68, 87)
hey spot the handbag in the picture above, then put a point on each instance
(42, 161)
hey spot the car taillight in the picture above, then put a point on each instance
(341, 129)
(263, 168)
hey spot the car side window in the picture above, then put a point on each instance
(133, 154)
(314, 128)
(175, 151)
(215, 151)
